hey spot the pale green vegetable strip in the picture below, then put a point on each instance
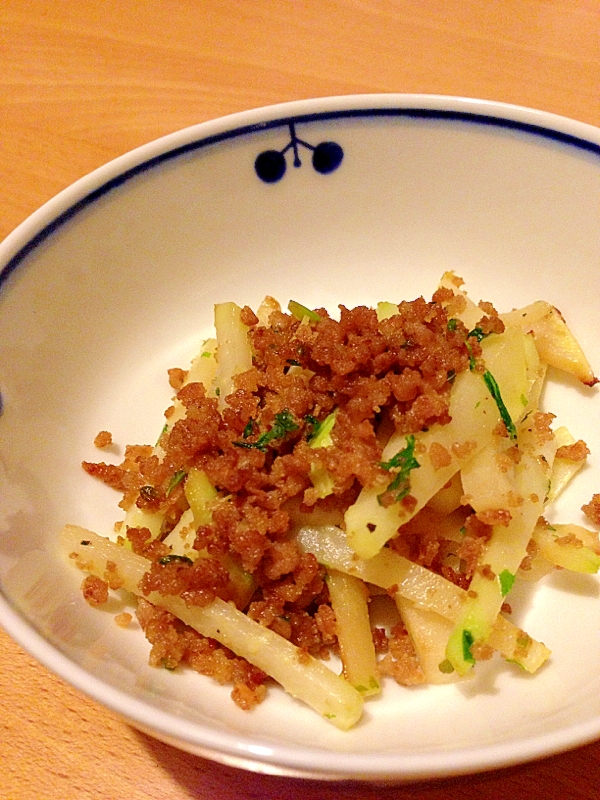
(555, 342)
(488, 478)
(204, 365)
(301, 676)
(386, 310)
(429, 633)
(563, 469)
(140, 518)
(538, 384)
(302, 313)
(569, 546)
(329, 546)
(349, 600)
(474, 416)
(516, 645)
(234, 354)
(502, 555)
(471, 314)
(182, 537)
(323, 437)
(320, 477)
(181, 542)
(512, 359)
(322, 480)
(448, 498)
(202, 370)
(265, 309)
(527, 316)
(200, 494)
(537, 568)
(416, 583)
(488, 481)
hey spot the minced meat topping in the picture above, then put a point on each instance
(394, 374)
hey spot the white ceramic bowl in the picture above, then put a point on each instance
(114, 280)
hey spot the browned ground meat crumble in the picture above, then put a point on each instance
(103, 439)
(592, 509)
(394, 374)
(573, 452)
(95, 590)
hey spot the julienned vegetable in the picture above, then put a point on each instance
(302, 676)
(492, 385)
(309, 465)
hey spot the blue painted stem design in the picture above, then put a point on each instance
(270, 165)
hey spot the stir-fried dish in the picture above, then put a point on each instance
(313, 469)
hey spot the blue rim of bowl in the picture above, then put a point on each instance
(260, 756)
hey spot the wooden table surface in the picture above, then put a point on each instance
(83, 81)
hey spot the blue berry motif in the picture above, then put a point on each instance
(270, 165)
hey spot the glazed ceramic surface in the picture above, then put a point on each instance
(345, 200)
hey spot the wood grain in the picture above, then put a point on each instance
(81, 83)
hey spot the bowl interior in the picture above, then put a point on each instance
(92, 316)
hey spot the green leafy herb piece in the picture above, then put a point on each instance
(250, 446)
(472, 360)
(477, 333)
(249, 428)
(313, 425)
(403, 457)
(162, 433)
(176, 480)
(494, 390)
(206, 354)
(467, 642)
(446, 667)
(320, 435)
(452, 323)
(170, 559)
(506, 581)
(299, 311)
(284, 423)
(403, 463)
